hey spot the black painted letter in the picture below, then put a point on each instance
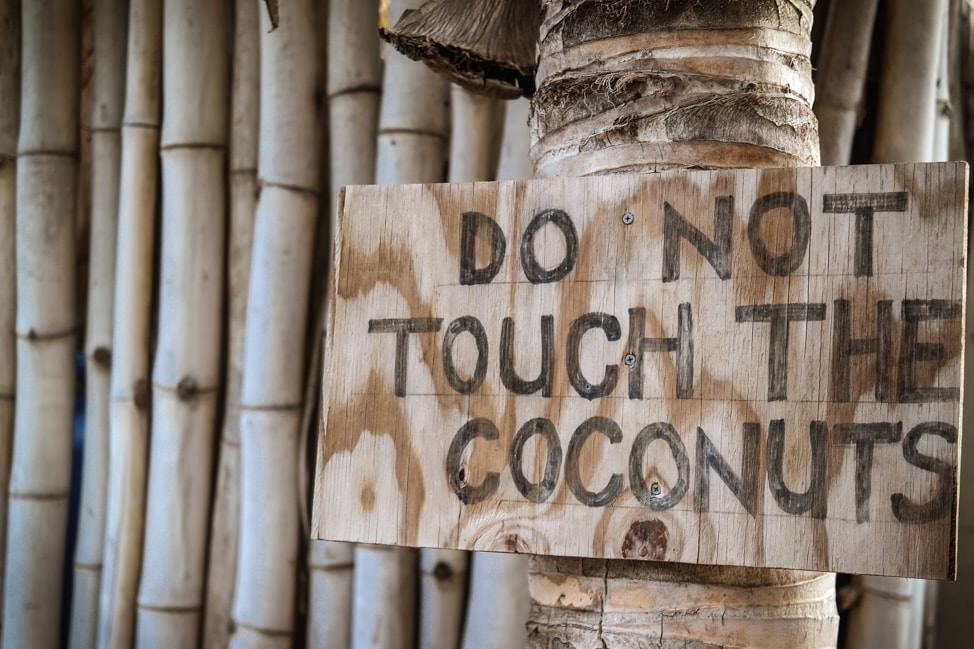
(572, 476)
(471, 229)
(912, 351)
(457, 475)
(744, 487)
(540, 492)
(648, 435)
(844, 347)
(610, 325)
(682, 345)
(509, 376)
(717, 251)
(402, 327)
(865, 436)
(529, 261)
(907, 511)
(472, 326)
(864, 206)
(780, 316)
(801, 230)
(815, 497)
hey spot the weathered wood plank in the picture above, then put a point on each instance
(762, 368)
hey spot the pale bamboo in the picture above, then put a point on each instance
(908, 82)
(886, 613)
(186, 371)
(277, 312)
(354, 77)
(841, 76)
(109, 36)
(129, 409)
(411, 149)
(46, 194)
(9, 118)
(225, 521)
(698, 120)
(443, 573)
(499, 582)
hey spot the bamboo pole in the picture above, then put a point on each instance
(354, 77)
(842, 75)
(277, 313)
(908, 82)
(443, 573)
(186, 372)
(109, 36)
(244, 119)
(411, 149)
(46, 186)
(9, 119)
(499, 582)
(128, 411)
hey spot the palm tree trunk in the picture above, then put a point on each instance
(632, 86)
(9, 118)
(277, 314)
(46, 319)
(186, 373)
(129, 410)
(244, 122)
(110, 23)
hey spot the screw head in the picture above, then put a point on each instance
(628, 218)
(656, 490)
(630, 359)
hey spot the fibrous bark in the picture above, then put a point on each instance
(485, 46)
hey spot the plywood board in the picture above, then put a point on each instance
(752, 368)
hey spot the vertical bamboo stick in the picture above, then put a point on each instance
(443, 573)
(9, 118)
(411, 143)
(225, 521)
(277, 313)
(109, 35)
(46, 185)
(354, 78)
(499, 582)
(908, 83)
(129, 413)
(842, 75)
(186, 372)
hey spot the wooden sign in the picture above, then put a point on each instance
(751, 368)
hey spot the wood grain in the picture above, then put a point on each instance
(762, 368)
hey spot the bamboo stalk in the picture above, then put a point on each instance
(225, 521)
(186, 372)
(277, 313)
(443, 573)
(411, 148)
(354, 78)
(110, 23)
(499, 582)
(9, 119)
(46, 185)
(908, 82)
(842, 76)
(128, 411)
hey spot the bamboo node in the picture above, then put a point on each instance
(442, 571)
(187, 388)
(102, 356)
(141, 392)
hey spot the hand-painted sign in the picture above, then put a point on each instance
(752, 367)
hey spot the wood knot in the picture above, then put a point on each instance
(187, 389)
(646, 540)
(442, 571)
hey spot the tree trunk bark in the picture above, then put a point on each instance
(47, 170)
(627, 86)
(186, 373)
